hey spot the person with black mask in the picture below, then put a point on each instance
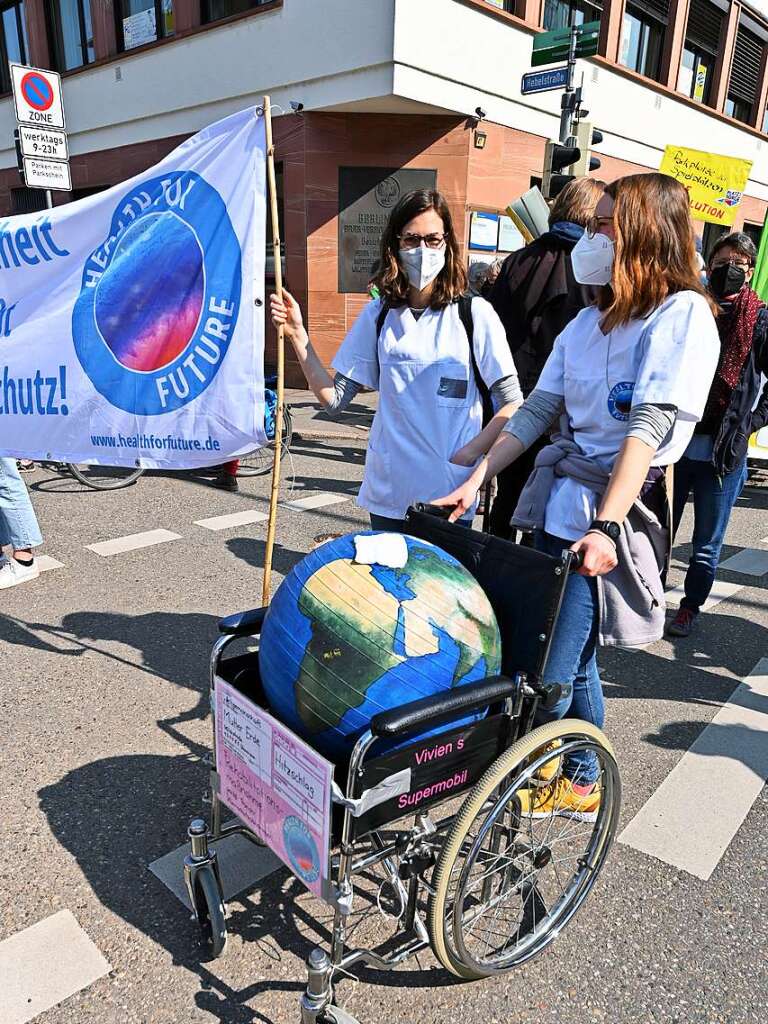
(714, 466)
(536, 296)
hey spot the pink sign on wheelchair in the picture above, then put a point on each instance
(276, 783)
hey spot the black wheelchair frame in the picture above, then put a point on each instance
(489, 762)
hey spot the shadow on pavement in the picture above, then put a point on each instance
(736, 742)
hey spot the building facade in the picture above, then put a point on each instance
(390, 91)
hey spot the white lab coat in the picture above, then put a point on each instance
(669, 358)
(429, 403)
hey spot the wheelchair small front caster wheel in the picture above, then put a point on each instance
(209, 910)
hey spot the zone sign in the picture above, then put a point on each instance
(37, 95)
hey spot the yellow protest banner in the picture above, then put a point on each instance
(715, 183)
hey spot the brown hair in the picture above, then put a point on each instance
(655, 249)
(391, 279)
(577, 202)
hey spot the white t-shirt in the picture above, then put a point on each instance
(429, 403)
(669, 358)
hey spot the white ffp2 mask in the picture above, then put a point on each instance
(422, 265)
(592, 259)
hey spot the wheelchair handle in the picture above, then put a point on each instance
(442, 706)
(438, 511)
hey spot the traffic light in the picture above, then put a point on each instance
(557, 157)
(587, 137)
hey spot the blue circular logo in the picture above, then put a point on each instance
(160, 297)
(301, 849)
(620, 400)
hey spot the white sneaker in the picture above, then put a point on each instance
(12, 572)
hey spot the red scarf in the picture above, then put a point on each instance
(736, 329)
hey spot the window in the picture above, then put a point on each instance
(702, 43)
(72, 33)
(745, 74)
(562, 13)
(754, 231)
(142, 21)
(642, 38)
(14, 46)
(27, 200)
(215, 10)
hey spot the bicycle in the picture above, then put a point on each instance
(260, 460)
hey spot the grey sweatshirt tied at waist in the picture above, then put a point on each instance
(631, 596)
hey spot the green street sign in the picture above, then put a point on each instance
(553, 47)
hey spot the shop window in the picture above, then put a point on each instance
(14, 46)
(143, 21)
(562, 13)
(702, 42)
(216, 10)
(72, 33)
(642, 38)
(745, 74)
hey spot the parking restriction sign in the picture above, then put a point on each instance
(37, 96)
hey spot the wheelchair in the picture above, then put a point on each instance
(484, 882)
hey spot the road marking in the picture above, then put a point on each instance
(720, 591)
(44, 964)
(750, 561)
(317, 501)
(235, 519)
(241, 864)
(132, 542)
(45, 563)
(697, 810)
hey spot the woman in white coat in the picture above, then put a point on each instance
(432, 354)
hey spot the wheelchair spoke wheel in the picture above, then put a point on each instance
(261, 460)
(523, 854)
(105, 478)
(209, 910)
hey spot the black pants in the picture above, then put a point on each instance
(510, 483)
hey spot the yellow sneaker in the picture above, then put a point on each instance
(550, 768)
(561, 799)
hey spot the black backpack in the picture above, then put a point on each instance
(465, 315)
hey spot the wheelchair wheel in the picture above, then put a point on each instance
(512, 873)
(261, 460)
(105, 478)
(209, 910)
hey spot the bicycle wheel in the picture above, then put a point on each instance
(105, 478)
(507, 883)
(261, 460)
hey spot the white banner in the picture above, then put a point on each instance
(129, 330)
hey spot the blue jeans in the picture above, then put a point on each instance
(399, 525)
(18, 522)
(713, 500)
(572, 660)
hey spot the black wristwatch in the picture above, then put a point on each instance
(611, 530)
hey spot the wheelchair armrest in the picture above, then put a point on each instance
(442, 706)
(243, 623)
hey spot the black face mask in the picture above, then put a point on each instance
(727, 280)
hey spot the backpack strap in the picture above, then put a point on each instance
(385, 308)
(465, 315)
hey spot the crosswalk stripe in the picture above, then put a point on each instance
(44, 964)
(720, 591)
(750, 561)
(729, 763)
(132, 542)
(225, 522)
(317, 501)
(45, 563)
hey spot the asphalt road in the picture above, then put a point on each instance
(104, 722)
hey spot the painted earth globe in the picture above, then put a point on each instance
(342, 640)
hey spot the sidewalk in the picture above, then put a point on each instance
(311, 423)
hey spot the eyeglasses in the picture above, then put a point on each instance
(411, 241)
(734, 261)
(596, 224)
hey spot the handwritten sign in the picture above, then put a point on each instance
(715, 183)
(277, 784)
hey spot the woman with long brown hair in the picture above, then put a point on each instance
(431, 353)
(628, 379)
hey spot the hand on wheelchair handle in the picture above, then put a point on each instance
(598, 555)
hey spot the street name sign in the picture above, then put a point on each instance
(43, 143)
(543, 81)
(47, 174)
(551, 47)
(37, 96)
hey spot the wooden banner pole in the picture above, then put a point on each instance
(272, 190)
